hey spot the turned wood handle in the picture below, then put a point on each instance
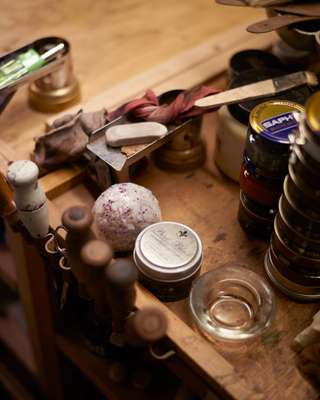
(29, 197)
(7, 206)
(96, 256)
(121, 276)
(77, 219)
(146, 326)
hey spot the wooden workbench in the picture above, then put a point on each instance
(120, 48)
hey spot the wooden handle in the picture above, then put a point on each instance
(121, 276)
(78, 222)
(310, 9)
(29, 197)
(77, 219)
(274, 23)
(7, 206)
(96, 255)
(146, 326)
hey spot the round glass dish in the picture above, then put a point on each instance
(231, 304)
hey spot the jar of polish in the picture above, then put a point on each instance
(168, 256)
(266, 190)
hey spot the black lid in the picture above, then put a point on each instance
(241, 111)
(252, 59)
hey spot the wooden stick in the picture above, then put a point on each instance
(96, 256)
(121, 276)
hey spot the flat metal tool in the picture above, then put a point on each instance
(260, 89)
(114, 157)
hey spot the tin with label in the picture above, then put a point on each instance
(168, 256)
(270, 124)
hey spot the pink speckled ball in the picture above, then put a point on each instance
(122, 212)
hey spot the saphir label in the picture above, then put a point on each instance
(279, 127)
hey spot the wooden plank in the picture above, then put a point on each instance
(34, 294)
(17, 341)
(96, 369)
(186, 69)
(201, 356)
(60, 181)
(7, 268)
(207, 201)
(12, 385)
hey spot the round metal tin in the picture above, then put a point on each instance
(309, 148)
(168, 252)
(301, 200)
(297, 275)
(301, 168)
(313, 115)
(253, 61)
(289, 288)
(303, 185)
(295, 258)
(274, 120)
(298, 220)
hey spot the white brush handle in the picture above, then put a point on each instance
(29, 197)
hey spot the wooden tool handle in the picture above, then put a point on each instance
(96, 256)
(311, 9)
(7, 206)
(146, 326)
(121, 276)
(77, 219)
(29, 197)
(277, 22)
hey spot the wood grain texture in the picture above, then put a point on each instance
(208, 202)
(116, 41)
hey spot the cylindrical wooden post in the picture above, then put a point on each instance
(121, 276)
(96, 256)
(29, 197)
(78, 222)
(145, 326)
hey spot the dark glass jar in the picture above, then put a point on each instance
(256, 220)
(268, 144)
(265, 190)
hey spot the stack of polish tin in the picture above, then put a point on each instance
(265, 164)
(293, 259)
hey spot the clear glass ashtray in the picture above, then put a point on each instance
(231, 304)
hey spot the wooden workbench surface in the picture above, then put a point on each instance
(113, 41)
(208, 202)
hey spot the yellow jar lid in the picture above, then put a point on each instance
(275, 119)
(313, 112)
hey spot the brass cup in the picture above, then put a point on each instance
(185, 151)
(56, 91)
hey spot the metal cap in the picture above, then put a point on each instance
(274, 120)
